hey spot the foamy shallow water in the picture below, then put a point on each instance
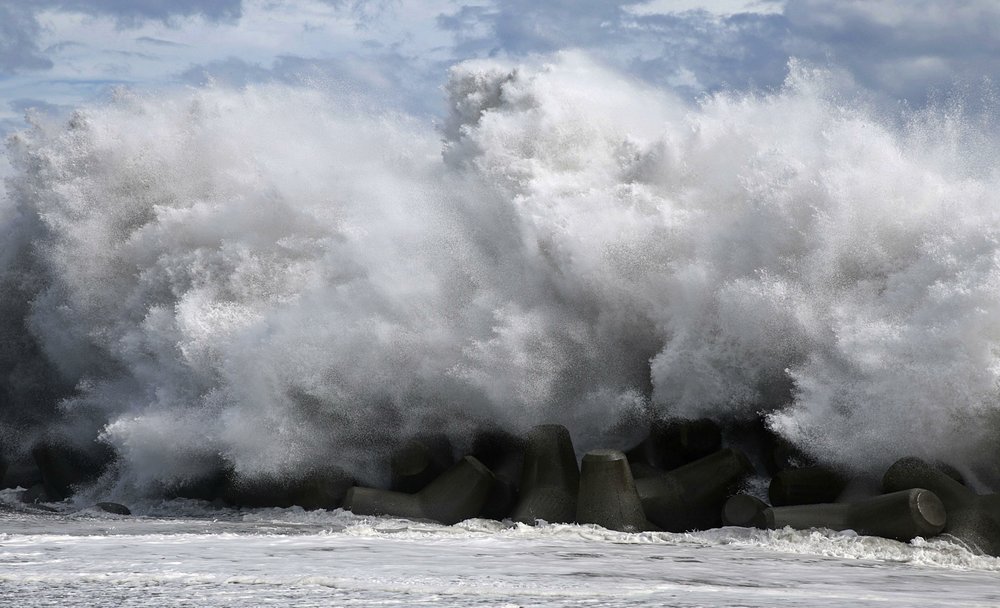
(181, 554)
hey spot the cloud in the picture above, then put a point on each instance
(524, 26)
(692, 50)
(135, 11)
(23, 105)
(698, 51)
(387, 77)
(18, 45)
(158, 42)
(364, 11)
(63, 46)
(402, 48)
(904, 50)
(890, 50)
(232, 71)
(20, 29)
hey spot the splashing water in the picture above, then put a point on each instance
(277, 278)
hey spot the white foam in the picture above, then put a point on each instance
(265, 557)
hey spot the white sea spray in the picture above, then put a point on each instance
(274, 277)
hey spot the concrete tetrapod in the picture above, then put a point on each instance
(747, 511)
(113, 507)
(550, 479)
(765, 449)
(950, 471)
(419, 461)
(805, 486)
(503, 454)
(676, 443)
(691, 497)
(607, 493)
(991, 503)
(859, 488)
(902, 515)
(971, 519)
(316, 489)
(64, 465)
(456, 495)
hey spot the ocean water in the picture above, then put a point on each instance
(264, 281)
(184, 553)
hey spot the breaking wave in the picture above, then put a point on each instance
(278, 277)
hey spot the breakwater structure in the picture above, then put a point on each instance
(543, 481)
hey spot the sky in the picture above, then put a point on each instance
(59, 54)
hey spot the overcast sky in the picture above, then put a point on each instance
(57, 54)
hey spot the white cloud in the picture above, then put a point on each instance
(717, 7)
(18, 44)
(69, 51)
(901, 50)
